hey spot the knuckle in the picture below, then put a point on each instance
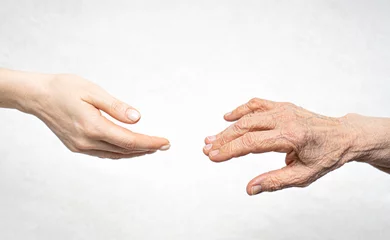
(288, 112)
(81, 145)
(248, 140)
(304, 181)
(222, 139)
(254, 100)
(274, 183)
(241, 125)
(129, 144)
(92, 131)
(254, 103)
(236, 128)
(293, 132)
(230, 149)
(117, 106)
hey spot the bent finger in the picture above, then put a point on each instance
(115, 156)
(108, 147)
(257, 122)
(252, 142)
(129, 140)
(294, 175)
(114, 107)
(254, 105)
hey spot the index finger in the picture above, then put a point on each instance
(254, 105)
(258, 122)
(127, 139)
(252, 142)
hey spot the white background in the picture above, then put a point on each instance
(184, 64)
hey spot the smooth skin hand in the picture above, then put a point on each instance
(314, 145)
(71, 107)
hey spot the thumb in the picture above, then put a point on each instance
(293, 175)
(114, 107)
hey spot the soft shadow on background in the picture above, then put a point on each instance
(184, 64)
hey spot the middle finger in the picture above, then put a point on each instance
(256, 122)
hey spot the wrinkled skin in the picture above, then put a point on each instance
(314, 145)
(71, 107)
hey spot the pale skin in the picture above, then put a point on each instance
(314, 145)
(72, 108)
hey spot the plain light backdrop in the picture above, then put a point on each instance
(184, 64)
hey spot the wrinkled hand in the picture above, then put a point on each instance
(314, 144)
(70, 106)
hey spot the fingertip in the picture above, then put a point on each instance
(133, 115)
(217, 156)
(210, 139)
(165, 147)
(204, 152)
(159, 143)
(249, 190)
(165, 144)
(252, 190)
(229, 117)
(212, 157)
(256, 185)
(208, 147)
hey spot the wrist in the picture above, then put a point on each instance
(22, 90)
(370, 138)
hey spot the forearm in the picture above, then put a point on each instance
(20, 90)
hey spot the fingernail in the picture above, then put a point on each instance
(208, 147)
(214, 153)
(256, 190)
(227, 114)
(133, 115)
(165, 147)
(212, 138)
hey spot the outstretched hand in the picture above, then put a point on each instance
(71, 107)
(314, 145)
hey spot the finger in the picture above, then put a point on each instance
(252, 142)
(257, 122)
(295, 175)
(129, 140)
(115, 156)
(254, 105)
(114, 107)
(108, 147)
